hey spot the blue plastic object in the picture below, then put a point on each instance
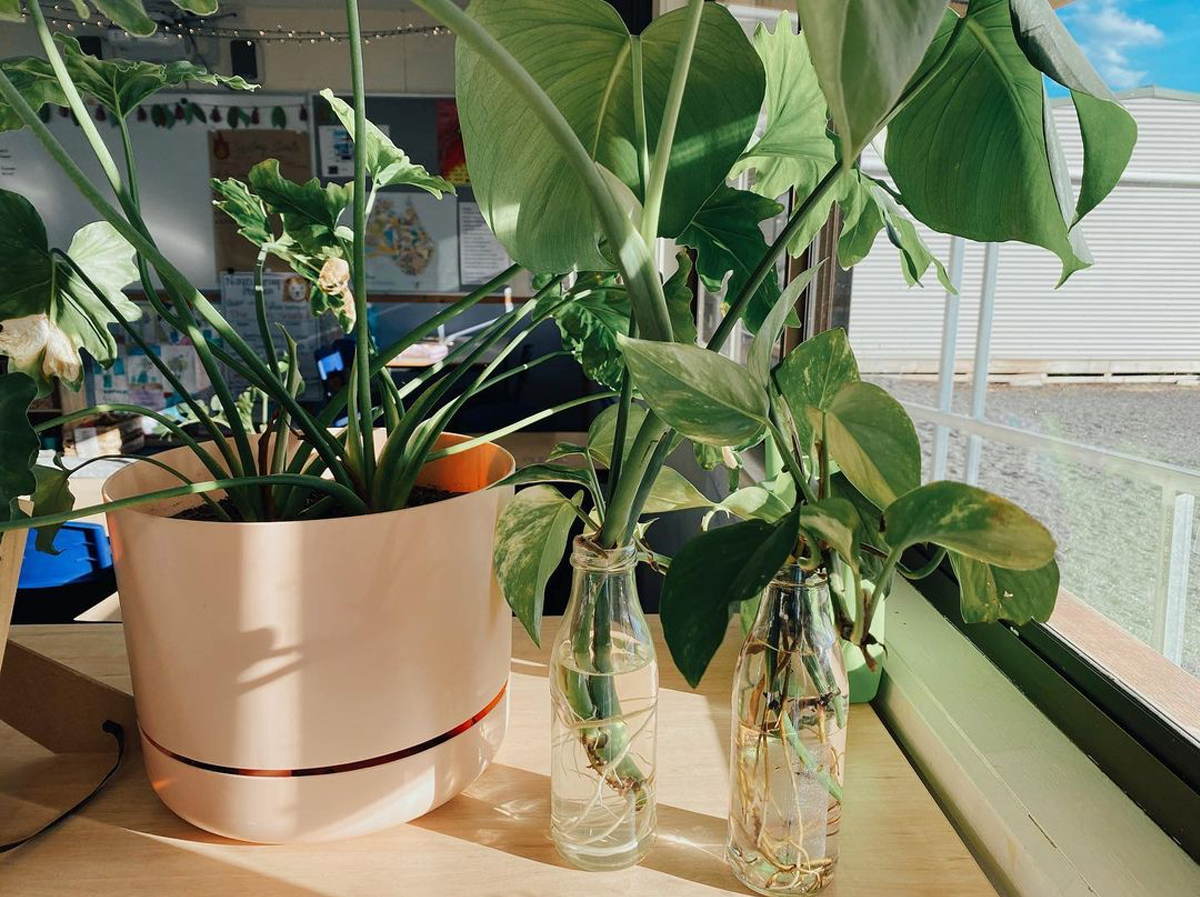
(84, 556)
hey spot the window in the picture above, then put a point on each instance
(1082, 404)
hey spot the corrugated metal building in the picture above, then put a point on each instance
(1135, 312)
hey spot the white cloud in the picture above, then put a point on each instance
(1108, 33)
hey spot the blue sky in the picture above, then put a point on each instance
(1133, 43)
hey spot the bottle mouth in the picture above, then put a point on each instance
(589, 555)
(793, 575)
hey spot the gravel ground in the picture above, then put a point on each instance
(1107, 526)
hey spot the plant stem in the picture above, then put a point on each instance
(789, 459)
(652, 202)
(362, 336)
(218, 512)
(260, 312)
(864, 611)
(519, 425)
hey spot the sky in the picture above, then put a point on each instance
(1133, 43)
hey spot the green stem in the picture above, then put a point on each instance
(864, 611)
(218, 512)
(790, 461)
(362, 336)
(622, 509)
(926, 570)
(260, 312)
(652, 202)
(639, 114)
(346, 496)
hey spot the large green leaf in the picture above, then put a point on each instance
(811, 375)
(310, 211)
(245, 208)
(48, 312)
(794, 149)
(18, 441)
(970, 521)
(728, 240)
(702, 394)
(865, 52)
(1108, 130)
(602, 432)
(835, 522)
(531, 535)
(867, 208)
(580, 54)
(672, 491)
(130, 15)
(975, 152)
(386, 163)
(872, 440)
(709, 576)
(769, 500)
(988, 593)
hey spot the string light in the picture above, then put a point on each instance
(182, 29)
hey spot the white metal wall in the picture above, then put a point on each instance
(1136, 311)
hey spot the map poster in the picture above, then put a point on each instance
(480, 255)
(412, 244)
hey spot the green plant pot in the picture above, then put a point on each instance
(864, 682)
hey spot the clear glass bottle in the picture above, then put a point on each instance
(787, 762)
(604, 697)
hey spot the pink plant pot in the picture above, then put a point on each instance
(319, 679)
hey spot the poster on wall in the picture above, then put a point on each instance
(231, 154)
(336, 150)
(412, 244)
(480, 255)
(452, 156)
(286, 300)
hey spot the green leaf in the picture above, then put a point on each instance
(34, 80)
(672, 491)
(873, 442)
(702, 394)
(199, 7)
(708, 577)
(52, 496)
(18, 441)
(864, 53)
(970, 521)
(10, 11)
(589, 326)
(728, 240)
(998, 174)
(48, 312)
(988, 593)
(310, 211)
(386, 163)
(794, 149)
(1109, 132)
(279, 118)
(245, 208)
(531, 534)
(835, 522)
(128, 15)
(769, 500)
(867, 208)
(679, 300)
(811, 375)
(602, 432)
(581, 55)
(758, 360)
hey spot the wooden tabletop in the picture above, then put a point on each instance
(491, 840)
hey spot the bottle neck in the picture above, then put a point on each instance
(795, 612)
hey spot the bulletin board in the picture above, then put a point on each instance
(416, 243)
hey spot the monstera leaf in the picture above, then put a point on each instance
(310, 211)
(582, 55)
(590, 324)
(245, 208)
(386, 163)
(998, 174)
(728, 240)
(864, 53)
(867, 208)
(48, 312)
(794, 150)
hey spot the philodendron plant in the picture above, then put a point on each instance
(58, 303)
(583, 165)
(849, 501)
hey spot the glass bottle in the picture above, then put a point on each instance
(604, 697)
(787, 762)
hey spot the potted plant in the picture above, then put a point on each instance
(296, 611)
(585, 165)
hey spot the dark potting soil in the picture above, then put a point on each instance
(420, 495)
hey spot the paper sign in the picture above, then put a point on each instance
(480, 255)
